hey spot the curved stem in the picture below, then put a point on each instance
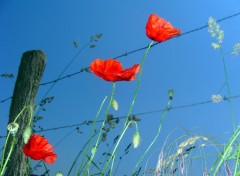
(79, 153)
(155, 138)
(10, 152)
(92, 134)
(106, 113)
(228, 149)
(101, 128)
(5, 145)
(139, 80)
(228, 88)
(237, 160)
(116, 146)
(130, 109)
(22, 112)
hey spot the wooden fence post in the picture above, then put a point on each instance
(29, 75)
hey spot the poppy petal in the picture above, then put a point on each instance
(112, 70)
(50, 159)
(159, 29)
(38, 148)
(130, 73)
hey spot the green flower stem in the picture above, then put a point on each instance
(7, 159)
(139, 80)
(92, 134)
(131, 106)
(113, 160)
(106, 113)
(228, 88)
(4, 148)
(100, 132)
(3, 165)
(237, 160)
(154, 140)
(116, 146)
(135, 123)
(228, 149)
(31, 115)
(79, 153)
(114, 151)
(30, 108)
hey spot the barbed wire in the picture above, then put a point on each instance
(140, 49)
(120, 56)
(171, 108)
(64, 77)
(88, 122)
(2, 101)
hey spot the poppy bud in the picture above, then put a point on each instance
(136, 139)
(114, 104)
(59, 174)
(26, 134)
(170, 94)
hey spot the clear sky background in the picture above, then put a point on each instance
(187, 64)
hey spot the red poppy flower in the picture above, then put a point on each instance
(38, 148)
(160, 30)
(111, 70)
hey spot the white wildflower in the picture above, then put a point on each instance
(220, 36)
(13, 128)
(217, 98)
(214, 30)
(236, 48)
(211, 26)
(216, 45)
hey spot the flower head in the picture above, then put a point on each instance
(111, 70)
(38, 148)
(159, 29)
(13, 128)
(216, 45)
(214, 30)
(217, 98)
(236, 49)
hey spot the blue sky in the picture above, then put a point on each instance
(187, 64)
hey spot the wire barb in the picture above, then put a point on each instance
(123, 55)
